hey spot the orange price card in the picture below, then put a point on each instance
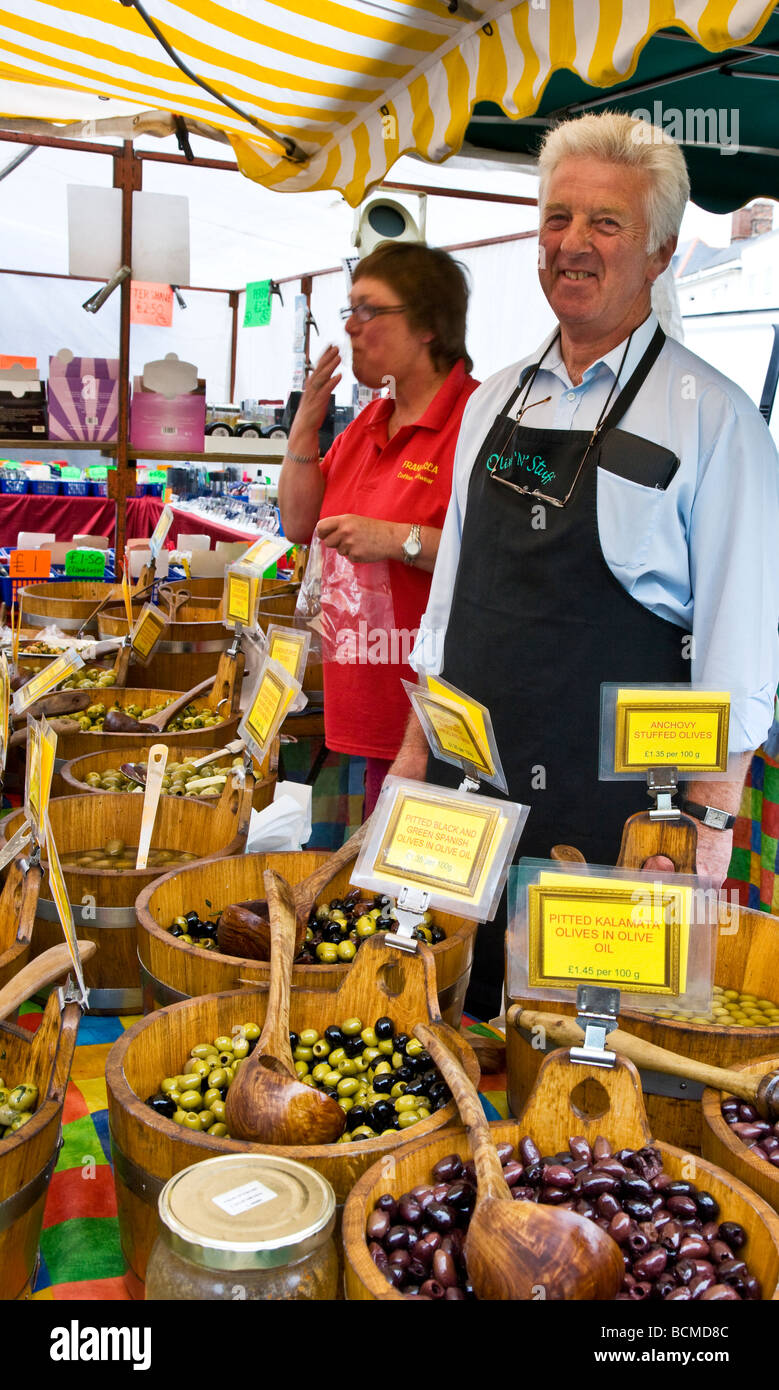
(151, 304)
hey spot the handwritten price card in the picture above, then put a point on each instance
(687, 729)
(151, 304)
(631, 933)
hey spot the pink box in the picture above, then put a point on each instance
(173, 423)
(83, 397)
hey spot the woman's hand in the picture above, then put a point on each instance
(319, 387)
(362, 538)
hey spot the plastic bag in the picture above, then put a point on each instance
(356, 606)
(309, 601)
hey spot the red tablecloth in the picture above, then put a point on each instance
(72, 516)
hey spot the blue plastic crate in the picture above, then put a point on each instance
(13, 484)
(72, 487)
(45, 487)
(99, 489)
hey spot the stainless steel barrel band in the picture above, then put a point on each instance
(86, 916)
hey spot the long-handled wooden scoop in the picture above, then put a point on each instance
(266, 1103)
(32, 977)
(244, 929)
(117, 722)
(136, 772)
(762, 1092)
(515, 1249)
(158, 757)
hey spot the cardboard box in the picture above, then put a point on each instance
(22, 404)
(83, 397)
(168, 408)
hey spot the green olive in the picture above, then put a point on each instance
(218, 1131)
(217, 1079)
(190, 1100)
(211, 1095)
(321, 1048)
(193, 1121)
(308, 1037)
(23, 1097)
(351, 1027)
(223, 1044)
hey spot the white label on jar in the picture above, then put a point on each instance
(240, 1199)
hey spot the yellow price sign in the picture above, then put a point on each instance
(147, 631)
(32, 782)
(441, 843)
(453, 730)
(5, 709)
(160, 531)
(62, 903)
(265, 551)
(274, 694)
(289, 648)
(53, 675)
(687, 729)
(241, 597)
(630, 934)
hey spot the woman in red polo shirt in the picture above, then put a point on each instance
(378, 499)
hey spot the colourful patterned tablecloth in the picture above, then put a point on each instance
(754, 865)
(80, 1254)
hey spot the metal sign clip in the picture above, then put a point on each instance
(662, 785)
(411, 906)
(597, 1009)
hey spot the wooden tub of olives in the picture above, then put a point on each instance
(99, 831)
(173, 970)
(66, 604)
(721, 1145)
(208, 729)
(567, 1099)
(101, 772)
(28, 1156)
(747, 947)
(148, 1148)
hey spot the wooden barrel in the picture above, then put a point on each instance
(28, 1158)
(147, 1149)
(79, 743)
(18, 903)
(172, 970)
(188, 650)
(551, 1121)
(74, 772)
(747, 950)
(103, 900)
(65, 603)
(721, 1146)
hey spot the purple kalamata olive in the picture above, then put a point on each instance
(700, 1284)
(448, 1168)
(454, 1295)
(733, 1235)
(528, 1151)
(601, 1148)
(684, 1271)
(607, 1205)
(432, 1289)
(409, 1210)
(708, 1206)
(444, 1270)
(442, 1217)
(620, 1227)
(396, 1239)
(640, 1291)
(681, 1206)
(580, 1149)
(395, 1275)
(694, 1247)
(663, 1284)
(387, 1203)
(417, 1271)
(553, 1196)
(378, 1224)
(679, 1294)
(400, 1259)
(532, 1174)
(746, 1111)
(504, 1152)
(512, 1172)
(524, 1194)
(637, 1208)
(651, 1263)
(556, 1175)
(719, 1293)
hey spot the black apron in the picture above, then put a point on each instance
(538, 620)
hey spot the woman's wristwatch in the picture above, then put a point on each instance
(412, 545)
(709, 815)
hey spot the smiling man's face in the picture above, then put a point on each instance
(594, 266)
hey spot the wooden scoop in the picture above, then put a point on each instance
(266, 1103)
(762, 1092)
(136, 772)
(158, 757)
(39, 972)
(60, 702)
(244, 929)
(59, 726)
(514, 1249)
(116, 722)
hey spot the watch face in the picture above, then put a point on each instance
(718, 820)
(412, 546)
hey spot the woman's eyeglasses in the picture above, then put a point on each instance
(365, 312)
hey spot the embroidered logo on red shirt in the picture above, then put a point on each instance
(413, 472)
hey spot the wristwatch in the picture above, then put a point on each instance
(412, 545)
(709, 815)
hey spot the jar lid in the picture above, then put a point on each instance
(246, 1211)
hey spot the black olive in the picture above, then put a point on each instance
(294, 1041)
(417, 1087)
(162, 1104)
(382, 1115)
(384, 1028)
(708, 1206)
(334, 1036)
(358, 1115)
(336, 905)
(353, 1046)
(438, 934)
(421, 1063)
(384, 1083)
(385, 923)
(637, 1208)
(400, 1041)
(191, 919)
(176, 931)
(404, 1073)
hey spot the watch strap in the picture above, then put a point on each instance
(711, 816)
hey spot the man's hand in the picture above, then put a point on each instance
(362, 538)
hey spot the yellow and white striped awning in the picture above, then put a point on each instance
(350, 86)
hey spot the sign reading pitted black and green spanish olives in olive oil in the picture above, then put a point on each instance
(630, 933)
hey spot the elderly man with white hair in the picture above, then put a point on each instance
(614, 517)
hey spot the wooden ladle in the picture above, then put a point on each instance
(244, 929)
(39, 972)
(266, 1103)
(514, 1249)
(117, 722)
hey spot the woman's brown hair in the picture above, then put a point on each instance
(434, 288)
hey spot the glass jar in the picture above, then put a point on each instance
(245, 1227)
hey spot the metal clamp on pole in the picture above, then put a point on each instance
(469, 784)
(70, 993)
(97, 300)
(411, 906)
(662, 785)
(597, 1009)
(235, 645)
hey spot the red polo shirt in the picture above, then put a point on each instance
(406, 478)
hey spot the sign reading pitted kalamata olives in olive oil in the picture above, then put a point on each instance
(289, 646)
(617, 932)
(663, 726)
(59, 893)
(48, 679)
(458, 729)
(273, 694)
(147, 632)
(455, 846)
